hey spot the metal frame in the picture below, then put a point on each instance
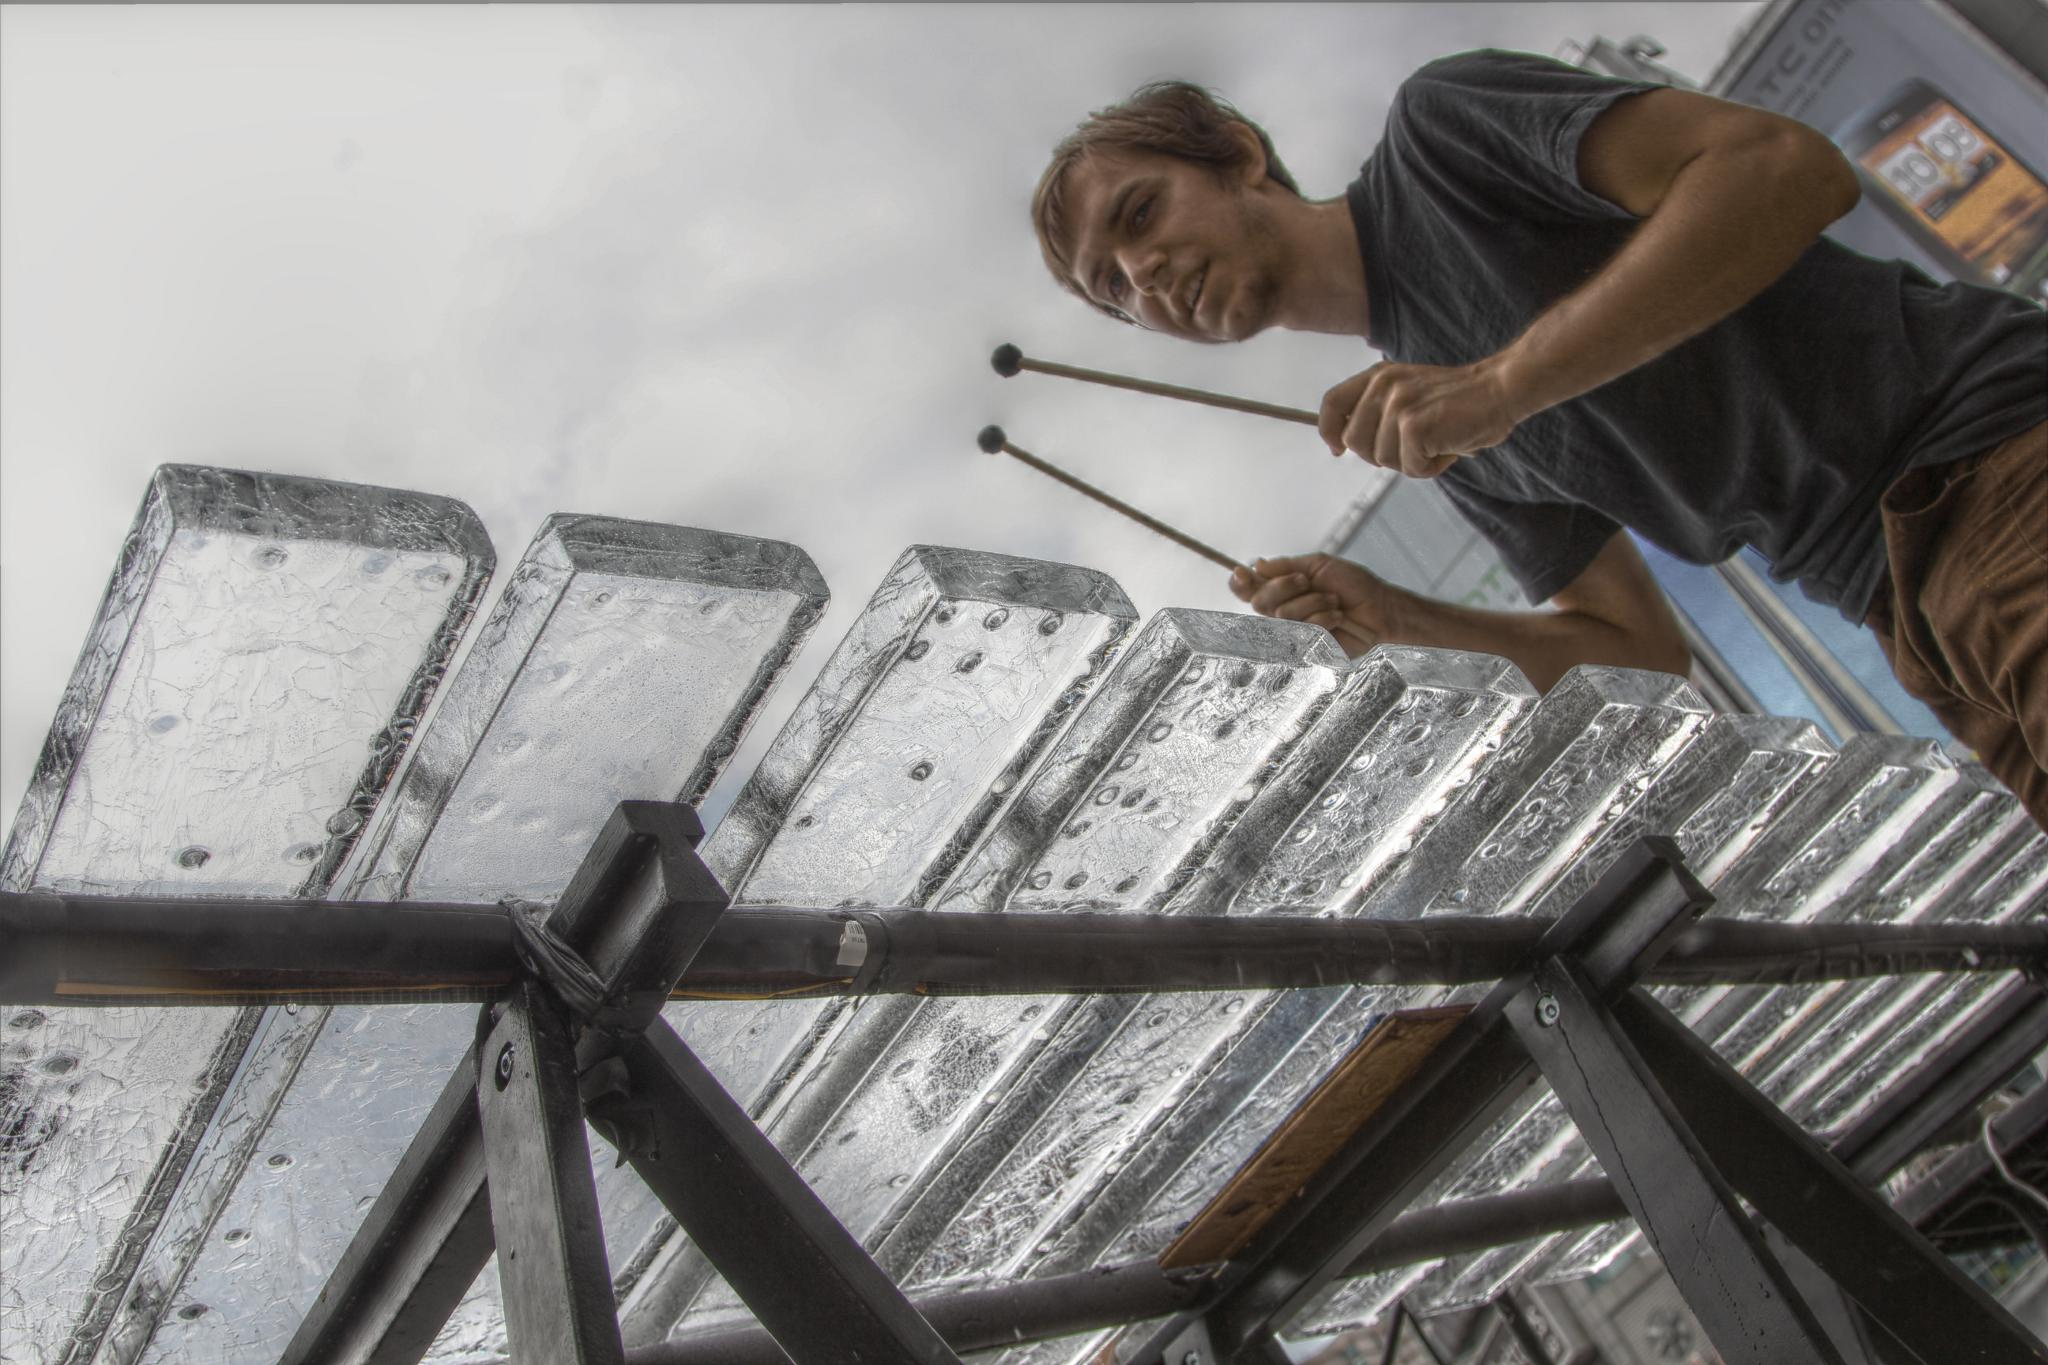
(572, 1030)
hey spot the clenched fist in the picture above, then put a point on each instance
(1417, 419)
(1351, 603)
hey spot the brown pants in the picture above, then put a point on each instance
(1964, 619)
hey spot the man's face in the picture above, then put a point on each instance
(1173, 247)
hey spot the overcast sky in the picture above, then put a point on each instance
(734, 267)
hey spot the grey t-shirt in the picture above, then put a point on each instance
(1779, 427)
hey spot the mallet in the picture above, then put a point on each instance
(992, 440)
(1008, 360)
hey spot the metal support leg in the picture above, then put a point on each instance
(551, 1258)
(805, 1277)
(1901, 1281)
(1687, 1210)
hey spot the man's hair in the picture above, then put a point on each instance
(1167, 118)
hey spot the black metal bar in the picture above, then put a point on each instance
(1527, 1339)
(1998, 1042)
(1949, 1186)
(1034, 1310)
(1686, 1209)
(1901, 1281)
(1471, 1078)
(804, 1276)
(429, 1232)
(551, 1261)
(126, 950)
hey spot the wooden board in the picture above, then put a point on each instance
(1317, 1129)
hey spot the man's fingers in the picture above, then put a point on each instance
(1305, 605)
(1277, 592)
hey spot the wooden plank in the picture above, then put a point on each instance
(1317, 1129)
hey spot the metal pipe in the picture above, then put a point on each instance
(64, 949)
(1033, 1310)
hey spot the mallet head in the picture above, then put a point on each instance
(991, 439)
(1008, 360)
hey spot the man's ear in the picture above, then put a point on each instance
(1251, 166)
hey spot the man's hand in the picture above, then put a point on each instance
(1351, 603)
(1417, 419)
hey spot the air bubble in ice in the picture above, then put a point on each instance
(59, 1064)
(1280, 681)
(1465, 708)
(1302, 834)
(1460, 895)
(1106, 795)
(918, 649)
(1246, 792)
(1157, 1018)
(234, 1237)
(272, 556)
(897, 1182)
(1364, 761)
(277, 1161)
(1124, 761)
(943, 615)
(1332, 801)
(601, 599)
(1416, 767)
(805, 821)
(1226, 729)
(376, 564)
(1127, 884)
(193, 856)
(1137, 794)
(433, 576)
(163, 725)
(302, 853)
(1039, 881)
(969, 664)
(1078, 828)
(1159, 732)
(920, 771)
(1235, 1005)
(1077, 881)
(1002, 784)
(994, 620)
(1051, 624)
(26, 1019)
(192, 1312)
(1416, 734)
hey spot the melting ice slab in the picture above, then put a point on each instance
(624, 660)
(263, 650)
(918, 731)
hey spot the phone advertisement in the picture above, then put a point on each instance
(1946, 130)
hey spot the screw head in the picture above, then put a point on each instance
(1191, 1358)
(1547, 1010)
(504, 1071)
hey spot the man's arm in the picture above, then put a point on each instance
(1612, 613)
(1730, 197)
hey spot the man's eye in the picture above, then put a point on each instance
(1144, 212)
(1116, 284)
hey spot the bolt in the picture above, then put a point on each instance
(1191, 1358)
(1547, 1010)
(504, 1066)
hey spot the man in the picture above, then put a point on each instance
(1607, 305)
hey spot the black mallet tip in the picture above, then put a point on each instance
(1007, 360)
(991, 439)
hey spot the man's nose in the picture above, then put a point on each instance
(1141, 266)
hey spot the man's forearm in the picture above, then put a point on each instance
(1731, 222)
(1543, 644)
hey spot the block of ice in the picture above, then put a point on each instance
(255, 670)
(915, 736)
(624, 660)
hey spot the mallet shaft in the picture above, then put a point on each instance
(1207, 552)
(1214, 400)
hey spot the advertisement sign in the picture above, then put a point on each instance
(1949, 134)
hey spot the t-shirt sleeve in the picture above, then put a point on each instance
(1545, 545)
(1510, 121)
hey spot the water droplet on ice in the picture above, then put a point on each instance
(193, 856)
